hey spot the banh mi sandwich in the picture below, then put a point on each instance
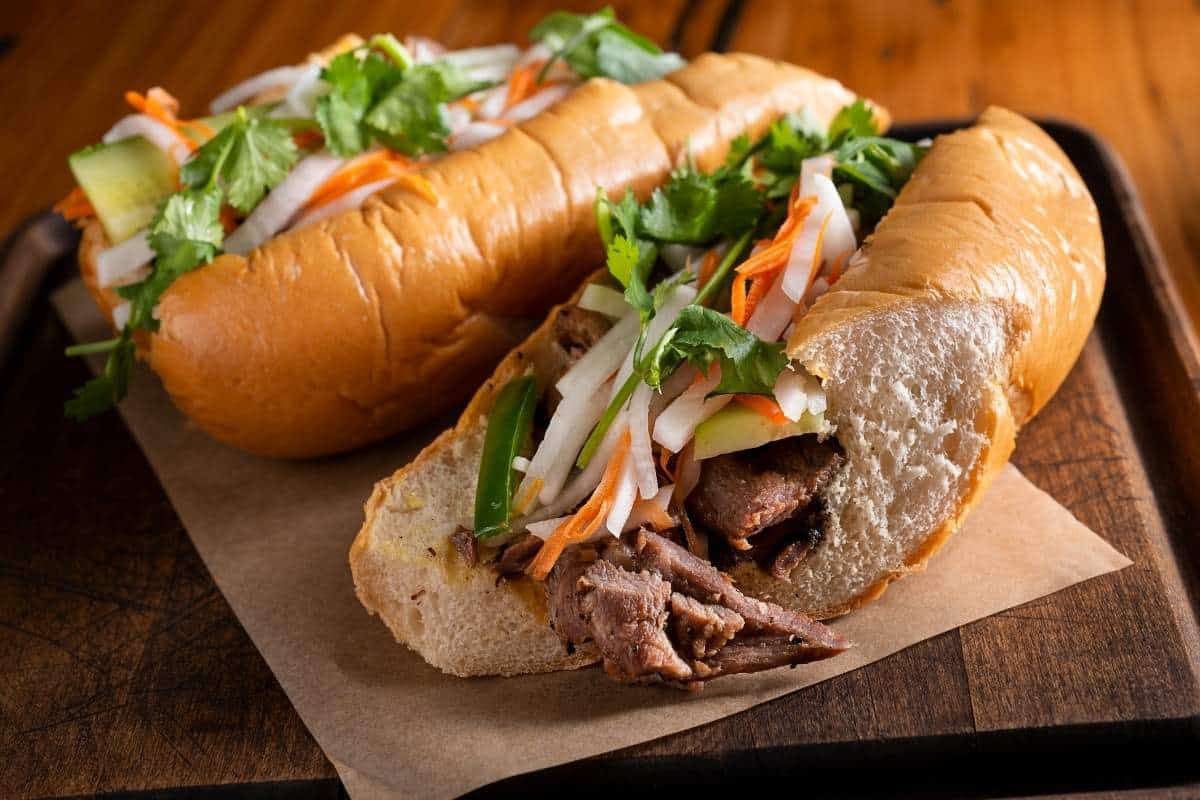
(797, 375)
(348, 245)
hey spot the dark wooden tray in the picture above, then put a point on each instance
(125, 669)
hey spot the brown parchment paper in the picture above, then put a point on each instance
(275, 537)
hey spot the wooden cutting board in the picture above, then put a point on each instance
(124, 669)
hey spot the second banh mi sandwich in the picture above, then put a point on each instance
(347, 246)
(797, 375)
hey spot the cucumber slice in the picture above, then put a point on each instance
(125, 181)
(736, 428)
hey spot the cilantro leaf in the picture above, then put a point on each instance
(622, 257)
(387, 98)
(457, 80)
(694, 208)
(740, 149)
(185, 233)
(891, 160)
(262, 155)
(411, 117)
(192, 216)
(875, 168)
(623, 56)
(623, 213)
(630, 261)
(684, 210)
(597, 45)
(340, 119)
(702, 336)
(355, 81)
(250, 156)
(106, 389)
(95, 397)
(569, 37)
(854, 120)
(789, 141)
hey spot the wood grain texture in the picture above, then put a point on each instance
(124, 668)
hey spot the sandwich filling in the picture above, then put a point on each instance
(662, 434)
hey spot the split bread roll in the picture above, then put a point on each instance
(372, 321)
(957, 320)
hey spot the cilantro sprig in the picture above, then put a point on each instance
(694, 208)
(109, 386)
(774, 162)
(377, 94)
(245, 160)
(874, 169)
(597, 45)
(238, 166)
(703, 337)
(629, 256)
(691, 208)
(869, 169)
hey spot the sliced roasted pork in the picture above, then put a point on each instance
(693, 576)
(743, 493)
(702, 629)
(627, 612)
(657, 612)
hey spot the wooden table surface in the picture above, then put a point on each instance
(156, 685)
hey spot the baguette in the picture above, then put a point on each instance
(377, 319)
(956, 322)
(984, 281)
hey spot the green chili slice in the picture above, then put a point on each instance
(508, 428)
